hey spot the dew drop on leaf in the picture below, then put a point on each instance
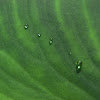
(39, 35)
(51, 41)
(70, 53)
(79, 63)
(78, 69)
(78, 66)
(26, 26)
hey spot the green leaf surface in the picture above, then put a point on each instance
(31, 68)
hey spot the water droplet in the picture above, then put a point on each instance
(70, 53)
(78, 69)
(79, 63)
(39, 35)
(26, 26)
(78, 66)
(51, 41)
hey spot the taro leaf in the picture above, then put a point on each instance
(33, 69)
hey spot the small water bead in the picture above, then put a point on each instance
(78, 66)
(39, 35)
(79, 63)
(78, 69)
(26, 26)
(51, 41)
(70, 53)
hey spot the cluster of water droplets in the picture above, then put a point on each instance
(39, 35)
(78, 64)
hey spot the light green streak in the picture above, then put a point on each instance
(21, 32)
(92, 35)
(78, 52)
(68, 33)
(3, 32)
(13, 68)
(5, 97)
